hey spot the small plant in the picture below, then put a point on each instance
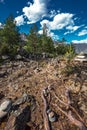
(68, 70)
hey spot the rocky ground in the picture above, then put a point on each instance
(21, 78)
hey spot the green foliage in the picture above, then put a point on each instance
(61, 49)
(68, 70)
(27, 48)
(32, 39)
(38, 43)
(10, 32)
(47, 44)
(70, 53)
(9, 37)
(65, 49)
(4, 49)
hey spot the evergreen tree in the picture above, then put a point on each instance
(33, 39)
(10, 32)
(9, 36)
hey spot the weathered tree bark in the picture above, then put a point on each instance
(18, 121)
(46, 120)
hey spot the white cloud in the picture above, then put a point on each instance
(60, 21)
(80, 41)
(54, 36)
(66, 32)
(52, 13)
(19, 20)
(0, 24)
(40, 31)
(36, 11)
(83, 32)
(71, 29)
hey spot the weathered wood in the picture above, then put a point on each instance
(46, 120)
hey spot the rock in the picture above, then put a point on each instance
(18, 57)
(23, 99)
(5, 108)
(5, 57)
(37, 70)
(51, 115)
(18, 120)
(3, 74)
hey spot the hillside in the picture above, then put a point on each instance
(56, 77)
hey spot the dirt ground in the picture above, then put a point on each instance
(31, 77)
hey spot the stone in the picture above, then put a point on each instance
(5, 107)
(25, 98)
(51, 115)
(18, 120)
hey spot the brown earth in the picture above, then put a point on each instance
(31, 77)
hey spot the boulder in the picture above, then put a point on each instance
(5, 107)
(18, 120)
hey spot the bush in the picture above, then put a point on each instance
(4, 49)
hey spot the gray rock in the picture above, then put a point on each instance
(17, 121)
(23, 99)
(51, 115)
(5, 108)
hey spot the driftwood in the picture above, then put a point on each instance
(46, 120)
(78, 122)
(17, 121)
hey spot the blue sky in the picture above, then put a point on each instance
(64, 18)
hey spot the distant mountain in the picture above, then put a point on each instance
(80, 48)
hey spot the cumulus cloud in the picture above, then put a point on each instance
(60, 21)
(80, 41)
(83, 32)
(35, 11)
(19, 20)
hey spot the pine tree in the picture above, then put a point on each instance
(10, 32)
(33, 39)
(9, 36)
